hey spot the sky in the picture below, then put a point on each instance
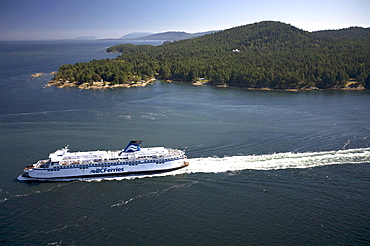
(63, 19)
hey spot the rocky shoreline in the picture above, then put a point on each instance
(350, 86)
(36, 75)
(97, 85)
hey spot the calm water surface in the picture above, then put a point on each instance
(266, 167)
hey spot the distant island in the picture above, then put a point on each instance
(86, 38)
(136, 35)
(173, 36)
(264, 55)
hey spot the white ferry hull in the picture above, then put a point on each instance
(106, 170)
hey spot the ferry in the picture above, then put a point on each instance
(133, 159)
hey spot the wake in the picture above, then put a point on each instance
(259, 162)
(279, 161)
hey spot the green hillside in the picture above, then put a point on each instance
(270, 55)
(349, 33)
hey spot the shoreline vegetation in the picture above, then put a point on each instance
(262, 56)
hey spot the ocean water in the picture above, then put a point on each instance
(266, 167)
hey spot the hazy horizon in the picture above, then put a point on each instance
(68, 19)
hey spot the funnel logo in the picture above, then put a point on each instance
(133, 146)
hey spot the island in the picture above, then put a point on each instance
(265, 55)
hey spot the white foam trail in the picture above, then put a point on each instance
(279, 161)
(256, 162)
(271, 162)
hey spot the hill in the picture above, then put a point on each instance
(261, 55)
(349, 33)
(135, 35)
(168, 36)
(175, 36)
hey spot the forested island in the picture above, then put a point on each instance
(264, 55)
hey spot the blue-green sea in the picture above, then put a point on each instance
(266, 167)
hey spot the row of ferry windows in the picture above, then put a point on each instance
(132, 164)
(115, 163)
